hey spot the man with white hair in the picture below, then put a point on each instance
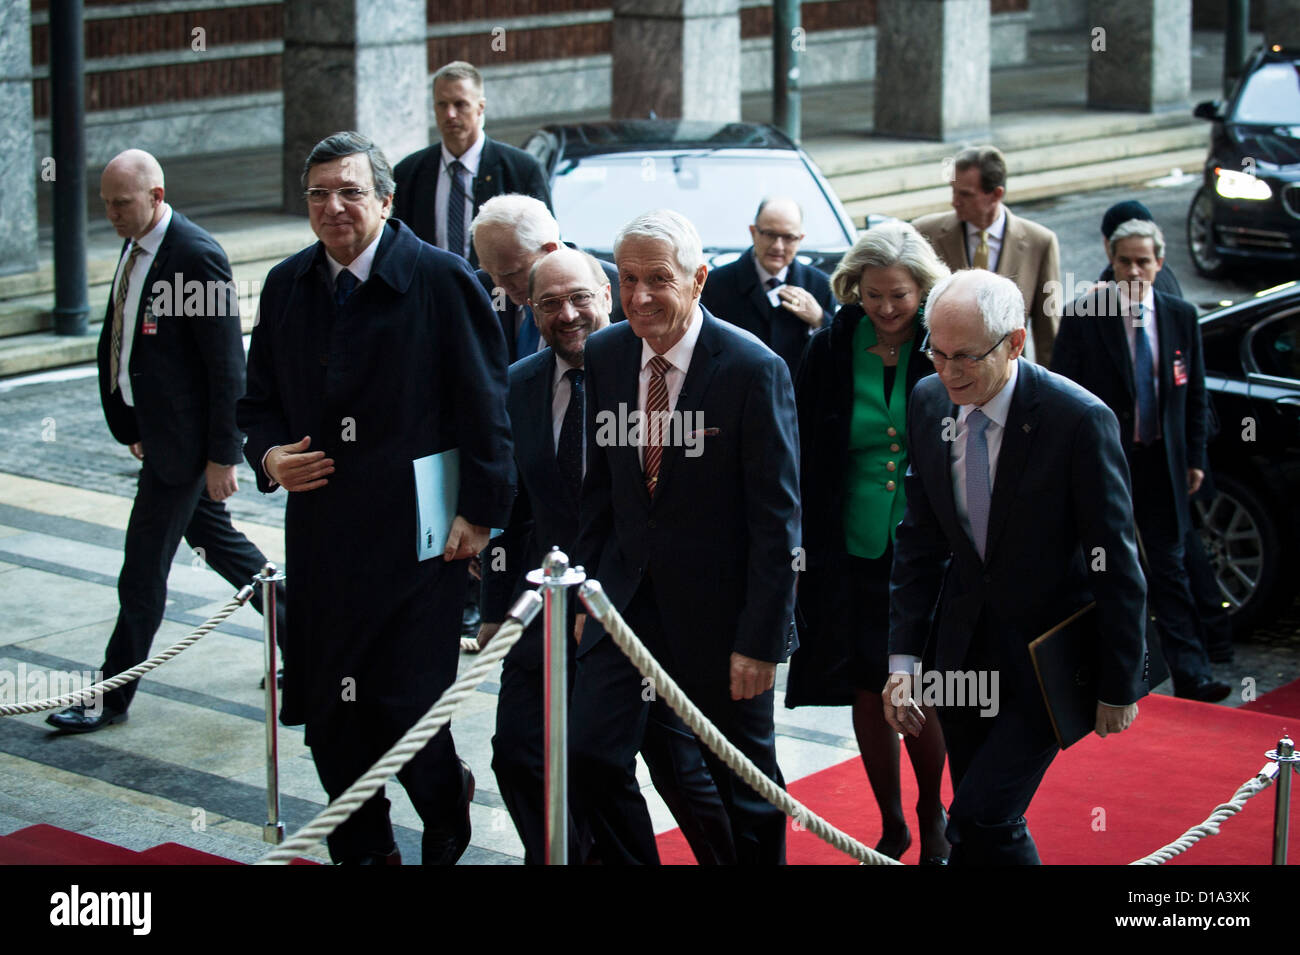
(1018, 515)
(692, 529)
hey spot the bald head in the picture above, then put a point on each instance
(777, 232)
(976, 322)
(132, 190)
(571, 298)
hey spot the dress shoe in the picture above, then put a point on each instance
(1207, 691)
(894, 848)
(279, 680)
(443, 846)
(76, 719)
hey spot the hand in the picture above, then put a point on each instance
(464, 540)
(138, 450)
(1115, 719)
(750, 677)
(1194, 478)
(801, 303)
(221, 480)
(486, 631)
(295, 468)
(579, 622)
(901, 711)
(476, 567)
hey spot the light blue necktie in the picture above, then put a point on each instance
(1144, 382)
(977, 478)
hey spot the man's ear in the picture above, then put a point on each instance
(700, 275)
(1017, 340)
(999, 192)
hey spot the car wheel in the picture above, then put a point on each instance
(1200, 236)
(1244, 547)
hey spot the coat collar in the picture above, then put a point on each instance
(1017, 437)
(399, 250)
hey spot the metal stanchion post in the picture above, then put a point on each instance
(273, 830)
(556, 576)
(1286, 759)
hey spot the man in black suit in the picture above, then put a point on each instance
(169, 377)
(373, 351)
(571, 296)
(691, 529)
(1149, 371)
(441, 187)
(1018, 515)
(767, 291)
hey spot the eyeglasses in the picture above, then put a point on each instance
(550, 307)
(966, 361)
(784, 236)
(348, 194)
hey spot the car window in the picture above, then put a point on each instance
(596, 196)
(1276, 347)
(1271, 96)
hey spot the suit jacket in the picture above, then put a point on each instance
(1092, 349)
(734, 293)
(502, 169)
(717, 538)
(545, 513)
(1030, 257)
(1060, 492)
(187, 376)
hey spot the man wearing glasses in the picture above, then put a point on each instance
(374, 349)
(1018, 514)
(767, 291)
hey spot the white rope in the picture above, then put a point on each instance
(401, 753)
(672, 694)
(1210, 827)
(126, 676)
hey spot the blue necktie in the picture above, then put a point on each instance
(528, 337)
(344, 285)
(1145, 383)
(978, 492)
(772, 283)
(456, 210)
(568, 454)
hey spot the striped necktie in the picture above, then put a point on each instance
(119, 308)
(656, 415)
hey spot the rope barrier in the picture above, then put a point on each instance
(667, 689)
(401, 752)
(126, 676)
(1210, 827)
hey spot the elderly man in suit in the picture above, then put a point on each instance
(375, 350)
(691, 528)
(1018, 515)
(441, 187)
(1139, 351)
(168, 383)
(982, 233)
(767, 291)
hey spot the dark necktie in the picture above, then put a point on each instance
(656, 414)
(456, 210)
(772, 283)
(568, 453)
(978, 492)
(1144, 381)
(528, 337)
(119, 308)
(344, 284)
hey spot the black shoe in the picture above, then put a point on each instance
(75, 719)
(279, 680)
(1207, 691)
(445, 846)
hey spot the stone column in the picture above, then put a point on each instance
(352, 64)
(932, 69)
(679, 59)
(18, 162)
(1141, 55)
(1282, 22)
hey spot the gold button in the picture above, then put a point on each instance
(893, 447)
(892, 431)
(890, 485)
(890, 466)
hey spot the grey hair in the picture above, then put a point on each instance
(1139, 228)
(669, 226)
(590, 261)
(350, 143)
(458, 70)
(989, 161)
(528, 218)
(887, 245)
(1001, 304)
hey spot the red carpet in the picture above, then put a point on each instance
(1103, 801)
(50, 845)
(1284, 701)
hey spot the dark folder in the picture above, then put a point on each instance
(1063, 663)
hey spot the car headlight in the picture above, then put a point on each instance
(1240, 185)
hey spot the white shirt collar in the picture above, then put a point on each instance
(153, 238)
(361, 265)
(995, 230)
(997, 408)
(764, 274)
(680, 354)
(562, 367)
(471, 158)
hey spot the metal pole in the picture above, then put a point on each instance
(68, 139)
(1235, 32)
(273, 831)
(787, 42)
(1287, 759)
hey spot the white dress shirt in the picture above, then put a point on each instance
(134, 290)
(1147, 327)
(470, 161)
(679, 356)
(993, 236)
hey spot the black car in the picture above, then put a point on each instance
(604, 174)
(1251, 525)
(1248, 209)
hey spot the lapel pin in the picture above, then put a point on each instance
(1027, 426)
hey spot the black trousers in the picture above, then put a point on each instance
(1168, 595)
(161, 515)
(609, 717)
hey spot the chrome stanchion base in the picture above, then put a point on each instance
(273, 832)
